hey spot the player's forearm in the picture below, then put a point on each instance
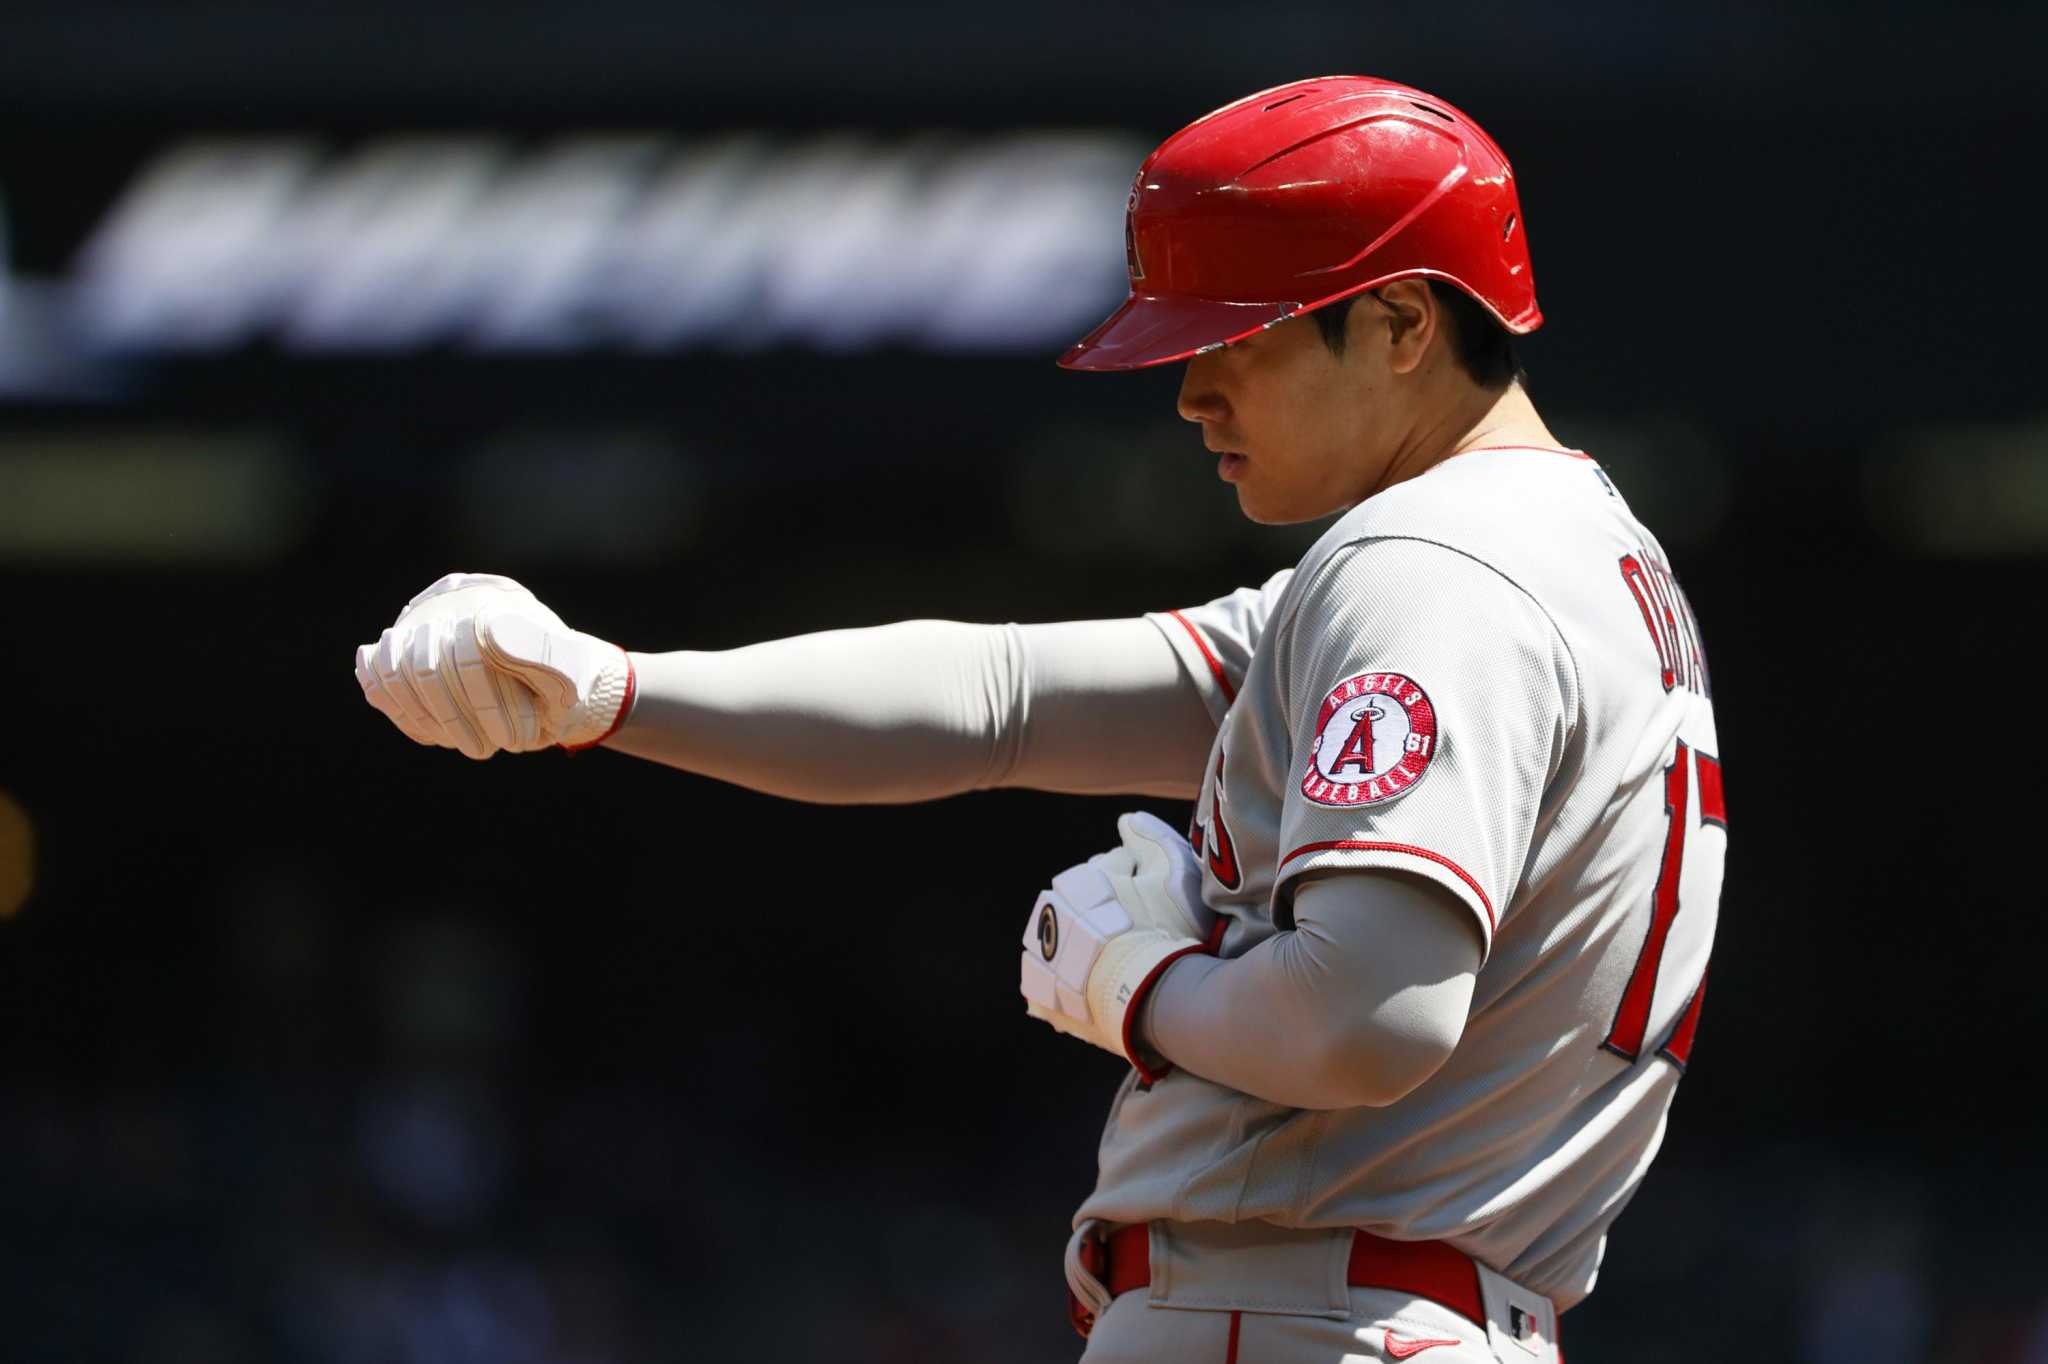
(1361, 1002)
(897, 713)
(923, 709)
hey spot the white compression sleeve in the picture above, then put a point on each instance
(1355, 1006)
(929, 708)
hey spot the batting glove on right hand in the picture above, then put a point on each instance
(476, 663)
(1107, 929)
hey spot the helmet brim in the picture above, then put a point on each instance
(1155, 329)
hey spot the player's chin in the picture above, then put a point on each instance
(1265, 510)
(1253, 503)
(1250, 507)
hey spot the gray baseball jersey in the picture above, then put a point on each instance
(1486, 676)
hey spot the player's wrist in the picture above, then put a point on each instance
(1092, 978)
(1134, 1034)
(630, 710)
(609, 704)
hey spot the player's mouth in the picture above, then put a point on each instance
(1229, 465)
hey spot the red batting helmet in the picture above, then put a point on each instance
(1302, 195)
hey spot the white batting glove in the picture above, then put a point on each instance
(1107, 929)
(476, 663)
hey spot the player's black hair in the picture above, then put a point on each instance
(1484, 348)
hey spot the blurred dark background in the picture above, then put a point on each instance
(717, 325)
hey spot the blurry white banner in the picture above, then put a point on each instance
(839, 242)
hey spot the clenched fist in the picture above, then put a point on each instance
(1107, 929)
(476, 663)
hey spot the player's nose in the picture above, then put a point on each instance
(1200, 399)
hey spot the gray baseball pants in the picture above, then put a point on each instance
(1252, 1293)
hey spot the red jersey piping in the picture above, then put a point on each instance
(1542, 449)
(1368, 845)
(1208, 656)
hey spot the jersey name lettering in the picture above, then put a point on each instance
(1667, 615)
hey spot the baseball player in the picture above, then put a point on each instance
(1406, 1009)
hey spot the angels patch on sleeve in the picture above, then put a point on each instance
(1375, 736)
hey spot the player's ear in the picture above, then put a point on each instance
(1407, 311)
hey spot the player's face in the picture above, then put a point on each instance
(1302, 432)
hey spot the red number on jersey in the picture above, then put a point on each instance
(1632, 1019)
(1223, 857)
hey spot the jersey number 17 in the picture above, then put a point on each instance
(1632, 1018)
